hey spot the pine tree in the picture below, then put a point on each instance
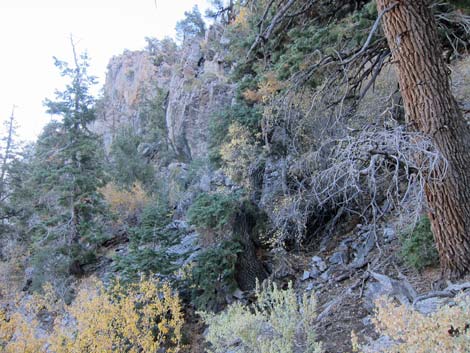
(9, 156)
(431, 108)
(191, 26)
(68, 170)
(8, 152)
(74, 150)
(223, 10)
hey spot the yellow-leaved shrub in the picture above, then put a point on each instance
(446, 330)
(277, 323)
(239, 154)
(142, 317)
(123, 201)
(19, 334)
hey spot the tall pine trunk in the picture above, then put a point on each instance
(430, 108)
(7, 153)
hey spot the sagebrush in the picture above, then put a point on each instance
(278, 323)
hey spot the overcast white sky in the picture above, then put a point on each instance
(32, 31)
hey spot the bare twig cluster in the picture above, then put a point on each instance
(367, 173)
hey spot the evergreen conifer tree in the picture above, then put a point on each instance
(191, 26)
(67, 171)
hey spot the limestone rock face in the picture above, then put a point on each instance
(198, 91)
(194, 81)
(131, 81)
(195, 95)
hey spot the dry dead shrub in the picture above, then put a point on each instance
(252, 96)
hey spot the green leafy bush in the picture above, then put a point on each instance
(213, 275)
(418, 247)
(277, 323)
(213, 211)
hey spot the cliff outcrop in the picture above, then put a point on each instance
(193, 81)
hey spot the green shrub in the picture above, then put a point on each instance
(149, 243)
(418, 247)
(155, 217)
(143, 261)
(50, 266)
(213, 275)
(462, 5)
(128, 166)
(213, 211)
(277, 323)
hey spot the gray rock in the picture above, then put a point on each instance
(272, 184)
(197, 87)
(367, 321)
(363, 251)
(339, 258)
(205, 183)
(319, 263)
(177, 225)
(187, 249)
(430, 305)
(29, 272)
(326, 276)
(384, 285)
(225, 40)
(238, 294)
(316, 259)
(305, 276)
(218, 178)
(188, 244)
(389, 234)
(314, 273)
(129, 75)
(193, 99)
(382, 344)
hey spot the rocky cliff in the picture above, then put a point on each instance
(131, 80)
(193, 80)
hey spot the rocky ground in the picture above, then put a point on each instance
(346, 273)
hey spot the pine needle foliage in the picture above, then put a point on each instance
(212, 276)
(418, 246)
(213, 211)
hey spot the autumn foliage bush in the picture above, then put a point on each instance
(142, 317)
(239, 154)
(125, 201)
(446, 330)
